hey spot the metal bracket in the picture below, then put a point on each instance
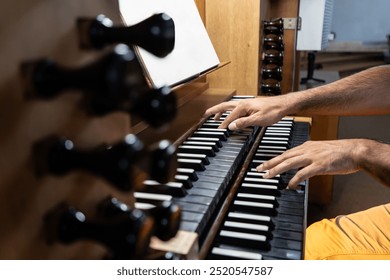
(292, 23)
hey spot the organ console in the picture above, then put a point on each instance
(234, 211)
(173, 182)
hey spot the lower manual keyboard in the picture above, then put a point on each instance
(265, 220)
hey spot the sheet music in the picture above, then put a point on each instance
(193, 53)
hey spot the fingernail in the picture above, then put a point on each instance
(266, 174)
(260, 168)
(233, 126)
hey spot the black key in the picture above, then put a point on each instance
(208, 185)
(282, 254)
(192, 207)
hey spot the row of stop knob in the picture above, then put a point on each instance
(115, 81)
(272, 57)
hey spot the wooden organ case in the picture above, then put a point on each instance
(50, 117)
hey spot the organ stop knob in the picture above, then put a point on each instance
(272, 71)
(273, 57)
(114, 82)
(166, 216)
(125, 236)
(273, 41)
(270, 87)
(155, 34)
(57, 156)
(275, 26)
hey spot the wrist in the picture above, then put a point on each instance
(292, 103)
(363, 152)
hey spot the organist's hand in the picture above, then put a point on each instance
(315, 158)
(260, 111)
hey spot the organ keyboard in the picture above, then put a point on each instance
(234, 212)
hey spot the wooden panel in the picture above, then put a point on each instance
(234, 29)
(201, 5)
(321, 187)
(32, 29)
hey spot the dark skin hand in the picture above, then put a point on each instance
(314, 158)
(365, 93)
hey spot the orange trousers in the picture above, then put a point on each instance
(363, 235)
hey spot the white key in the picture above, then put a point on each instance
(143, 206)
(258, 174)
(248, 236)
(152, 196)
(246, 226)
(212, 129)
(261, 180)
(245, 216)
(273, 147)
(274, 142)
(281, 134)
(253, 204)
(256, 196)
(275, 138)
(260, 186)
(236, 253)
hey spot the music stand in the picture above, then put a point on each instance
(311, 58)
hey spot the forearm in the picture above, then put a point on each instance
(365, 93)
(374, 158)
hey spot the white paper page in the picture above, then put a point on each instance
(193, 52)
